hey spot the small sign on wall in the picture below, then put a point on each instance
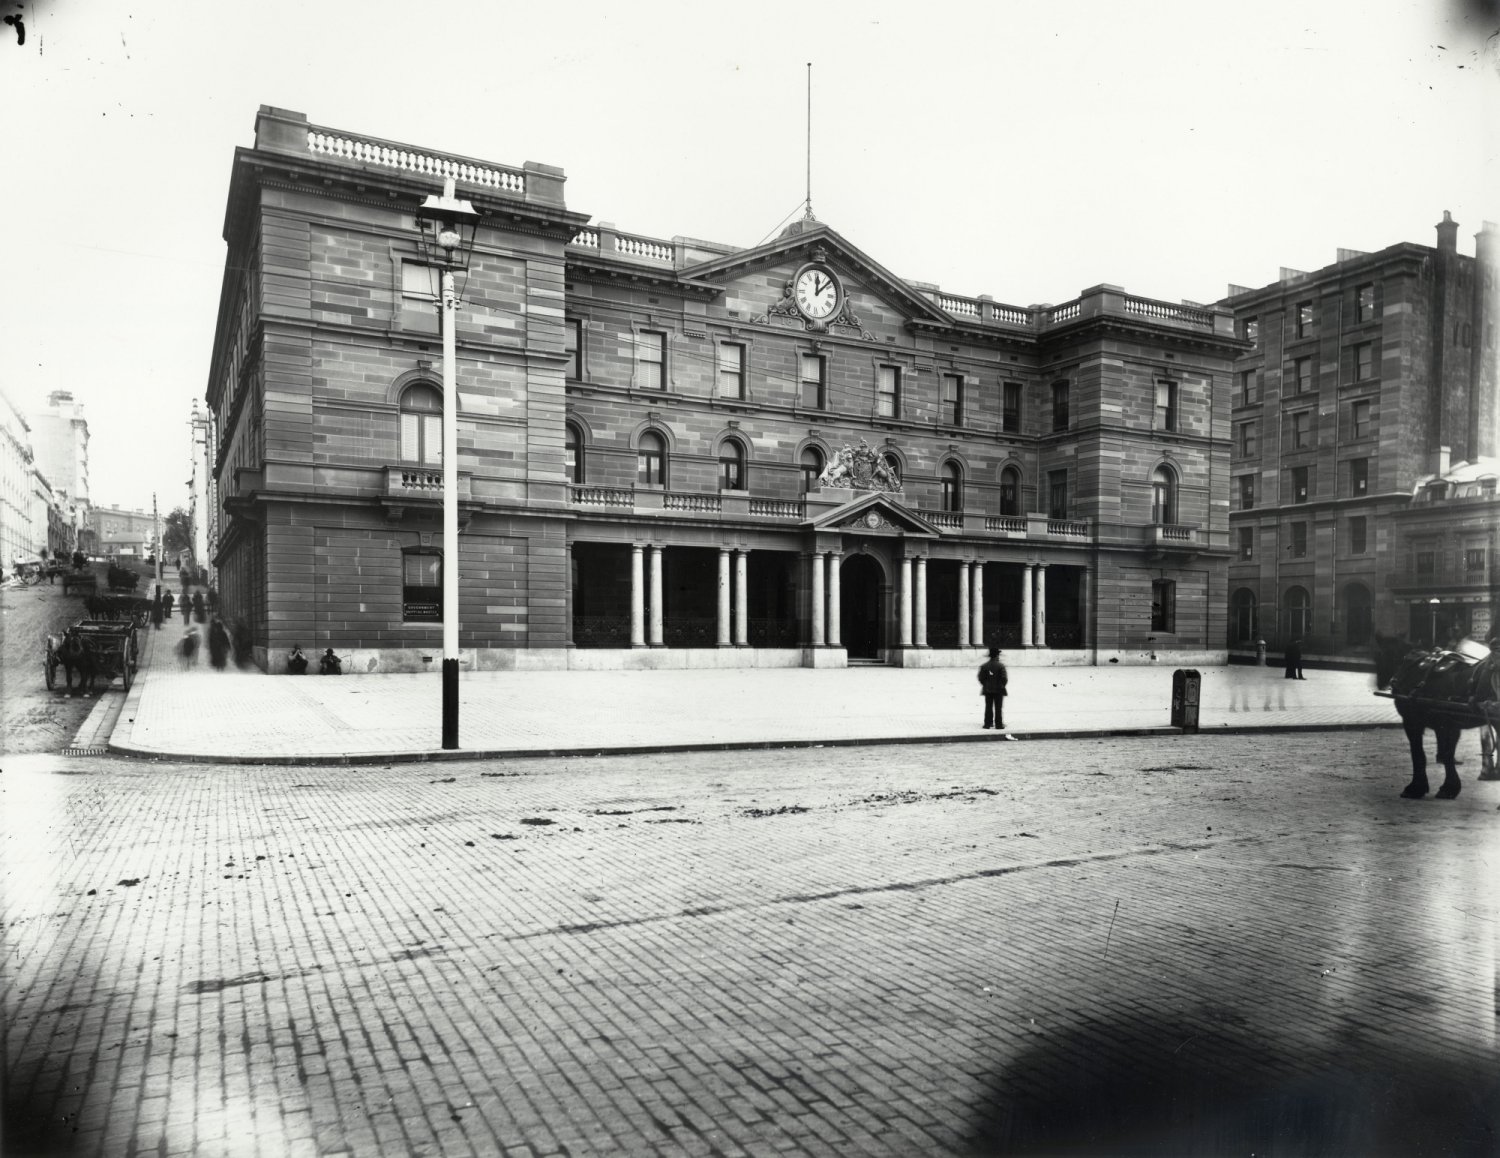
(422, 612)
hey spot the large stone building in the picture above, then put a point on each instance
(646, 428)
(1363, 381)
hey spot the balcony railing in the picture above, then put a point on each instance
(951, 519)
(1006, 524)
(1172, 536)
(1067, 528)
(776, 508)
(421, 484)
(392, 156)
(683, 501)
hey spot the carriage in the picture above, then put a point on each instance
(108, 648)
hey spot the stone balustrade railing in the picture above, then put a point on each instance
(1067, 528)
(951, 519)
(594, 496)
(776, 508)
(1010, 524)
(681, 501)
(586, 239)
(368, 152)
(1167, 312)
(421, 480)
(643, 247)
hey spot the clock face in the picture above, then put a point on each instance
(817, 293)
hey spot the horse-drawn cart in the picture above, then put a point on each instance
(93, 647)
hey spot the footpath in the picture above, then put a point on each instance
(201, 714)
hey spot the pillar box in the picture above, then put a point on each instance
(1186, 685)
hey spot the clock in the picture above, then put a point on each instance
(816, 292)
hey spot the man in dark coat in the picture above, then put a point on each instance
(1294, 660)
(167, 600)
(218, 643)
(992, 682)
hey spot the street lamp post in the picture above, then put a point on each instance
(1433, 605)
(447, 228)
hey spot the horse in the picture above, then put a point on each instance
(74, 655)
(1446, 691)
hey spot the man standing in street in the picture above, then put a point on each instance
(992, 682)
(1294, 660)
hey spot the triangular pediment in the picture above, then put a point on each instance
(874, 512)
(812, 241)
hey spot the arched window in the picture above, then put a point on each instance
(1297, 608)
(953, 487)
(573, 453)
(651, 460)
(1163, 496)
(422, 425)
(1358, 615)
(812, 466)
(731, 466)
(1242, 620)
(1010, 491)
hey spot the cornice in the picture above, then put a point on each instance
(602, 269)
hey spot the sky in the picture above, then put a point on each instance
(1022, 150)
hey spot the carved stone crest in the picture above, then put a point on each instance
(861, 468)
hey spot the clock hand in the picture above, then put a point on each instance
(819, 285)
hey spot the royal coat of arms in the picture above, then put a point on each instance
(860, 468)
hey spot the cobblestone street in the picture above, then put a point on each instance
(1194, 945)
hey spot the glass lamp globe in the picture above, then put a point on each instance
(448, 239)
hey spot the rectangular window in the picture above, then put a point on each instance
(422, 438)
(1010, 414)
(811, 379)
(888, 391)
(1166, 406)
(421, 587)
(1364, 298)
(651, 360)
(1304, 319)
(731, 370)
(1359, 420)
(1059, 406)
(1364, 361)
(1474, 559)
(1247, 492)
(1057, 494)
(420, 289)
(1163, 605)
(1357, 535)
(1359, 476)
(419, 284)
(953, 400)
(1247, 542)
(1249, 387)
(1426, 561)
(1299, 484)
(1302, 382)
(1252, 331)
(573, 344)
(1299, 540)
(1302, 429)
(1247, 440)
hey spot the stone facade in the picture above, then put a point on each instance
(1361, 379)
(642, 424)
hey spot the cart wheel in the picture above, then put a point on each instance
(127, 670)
(51, 665)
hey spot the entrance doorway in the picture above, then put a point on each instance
(861, 624)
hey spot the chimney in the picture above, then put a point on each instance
(1447, 232)
(1440, 460)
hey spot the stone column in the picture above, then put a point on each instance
(835, 604)
(723, 597)
(1041, 605)
(903, 627)
(1026, 582)
(816, 563)
(741, 599)
(568, 596)
(976, 618)
(637, 599)
(963, 605)
(919, 598)
(656, 608)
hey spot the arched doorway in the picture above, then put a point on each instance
(861, 622)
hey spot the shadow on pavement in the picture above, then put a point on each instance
(1183, 1087)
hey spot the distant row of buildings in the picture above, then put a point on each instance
(646, 427)
(45, 504)
(44, 482)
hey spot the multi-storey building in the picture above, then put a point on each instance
(19, 538)
(116, 531)
(646, 428)
(1360, 380)
(60, 441)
